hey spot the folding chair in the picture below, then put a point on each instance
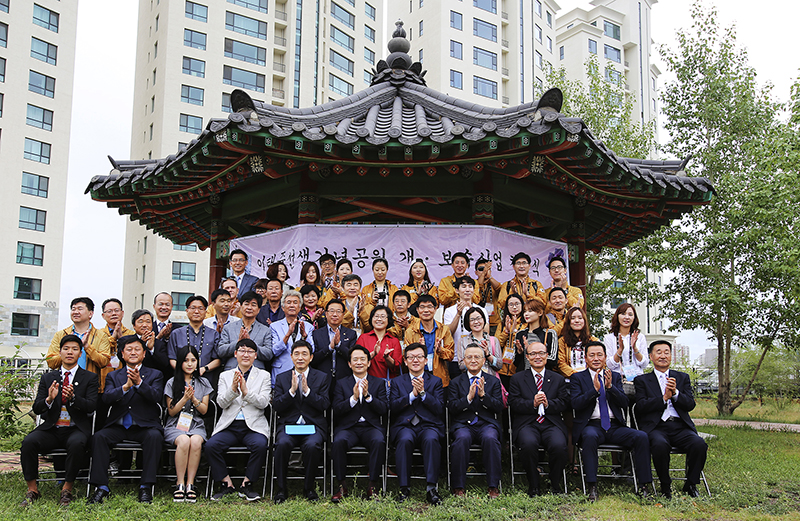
(357, 469)
(416, 459)
(612, 468)
(58, 475)
(323, 467)
(475, 454)
(512, 455)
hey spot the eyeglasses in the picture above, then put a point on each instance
(428, 307)
(537, 354)
(113, 311)
(474, 357)
(195, 308)
(521, 263)
(556, 267)
(476, 319)
(411, 358)
(245, 351)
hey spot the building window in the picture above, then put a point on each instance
(369, 55)
(370, 11)
(456, 20)
(245, 25)
(561, 52)
(592, 46)
(28, 289)
(420, 28)
(613, 54)
(24, 324)
(41, 84)
(3, 35)
(549, 44)
(255, 5)
(183, 270)
(191, 124)
(43, 17)
(186, 247)
(193, 95)
(179, 300)
(369, 33)
(343, 15)
(2, 98)
(194, 39)
(538, 32)
(456, 50)
(43, 51)
(37, 151)
(155, 50)
(420, 55)
(611, 30)
(226, 103)
(151, 132)
(486, 5)
(40, 118)
(339, 86)
(537, 6)
(242, 78)
(33, 184)
(549, 19)
(484, 30)
(342, 63)
(194, 67)
(245, 52)
(154, 76)
(367, 77)
(32, 219)
(4, 6)
(613, 76)
(456, 79)
(196, 11)
(31, 254)
(484, 58)
(538, 59)
(2, 70)
(343, 39)
(484, 87)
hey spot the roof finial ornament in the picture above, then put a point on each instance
(398, 66)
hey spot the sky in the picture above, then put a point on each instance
(102, 112)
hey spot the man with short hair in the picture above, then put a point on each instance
(448, 295)
(234, 309)
(243, 395)
(65, 401)
(453, 317)
(537, 398)
(403, 319)
(238, 264)
(113, 314)
(286, 332)
(247, 327)
(302, 396)
(360, 406)
(417, 406)
(356, 316)
(663, 401)
(156, 355)
(272, 311)
(221, 303)
(556, 307)
(134, 392)
(332, 343)
(435, 337)
(475, 401)
(327, 265)
(558, 272)
(96, 350)
(199, 336)
(521, 284)
(162, 304)
(600, 404)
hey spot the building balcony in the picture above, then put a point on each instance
(278, 93)
(280, 40)
(505, 100)
(281, 15)
(505, 71)
(505, 44)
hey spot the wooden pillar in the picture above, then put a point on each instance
(577, 252)
(216, 267)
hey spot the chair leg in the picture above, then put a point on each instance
(633, 468)
(705, 482)
(580, 466)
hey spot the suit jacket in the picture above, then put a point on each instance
(253, 405)
(523, 390)
(323, 356)
(260, 334)
(430, 410)
(584, 398)
(281, 353)
(141, 402)
(97, 348)
(248, 281)
(487, 408)
(650, 403)
(85, 386)
(159, 359)
(311, 407)
(373, 412)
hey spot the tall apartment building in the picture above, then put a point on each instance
(192, 54)
(37, 58)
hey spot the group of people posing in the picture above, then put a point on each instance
(360, 361)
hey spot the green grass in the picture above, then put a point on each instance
(751, 410)
(753, 475)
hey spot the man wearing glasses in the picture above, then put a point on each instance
(243, 395)
(558, 272)
(198, 335)
(537, 398)
(238, 264)
(521, 284)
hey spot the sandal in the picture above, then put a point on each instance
(191, 494)
(179, 495)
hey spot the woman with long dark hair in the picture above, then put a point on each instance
(572, 344)
(537, 329)
(419, 283)
(510, 324)
(279, 271)
(626, 346)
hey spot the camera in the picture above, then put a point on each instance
(382, 295)
(481, 267)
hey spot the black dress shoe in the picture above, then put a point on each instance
(593, 493)
(404, 494)
(433, 497)
(534, 491)
(98, 496)
(691, 489)
(666, 491)
(643, 492)
(311, 495)
(30, 497)
(279, 497)
(145, 495)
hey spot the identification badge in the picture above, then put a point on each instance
(184, 421)
(240, 415)
(64, 418)
(508, 354)
(630, 372)
(300, 430)
(489, 309)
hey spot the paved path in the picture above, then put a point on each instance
(759, 426)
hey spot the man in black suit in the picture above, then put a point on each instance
(417, 405)
(65, 400)
(133, 392)
(475, 402)
(359, 410)
(537, 398)
(301, 398)
(600, 405)
(332, 344)
(155, 354)
(663, 401)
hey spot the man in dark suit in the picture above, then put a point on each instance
(600, 405)
(301, 398)
(65, 400)
(359, 411)
(417, 405)
(663, 401)
(133, 392)
(332, 344)
(475, 402)
(155, 354)
(238, 264)
(537, 398)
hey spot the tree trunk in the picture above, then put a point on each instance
(724, 392)
(752, 379)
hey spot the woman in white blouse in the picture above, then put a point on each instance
(626, 346)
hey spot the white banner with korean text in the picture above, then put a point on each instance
(400, 245)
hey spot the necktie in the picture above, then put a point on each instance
(662, 377)
(539, 418)
(415, 420)
(64, 388)
(473, 380)
(605, 421)
(127, 420)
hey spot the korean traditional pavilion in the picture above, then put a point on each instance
(400, 152)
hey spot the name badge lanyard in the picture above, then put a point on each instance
(187, 413)
(202, 339)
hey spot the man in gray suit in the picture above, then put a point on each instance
(247, 328)
(243, 395)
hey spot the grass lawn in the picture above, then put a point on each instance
(753, 475)
(750, 410)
